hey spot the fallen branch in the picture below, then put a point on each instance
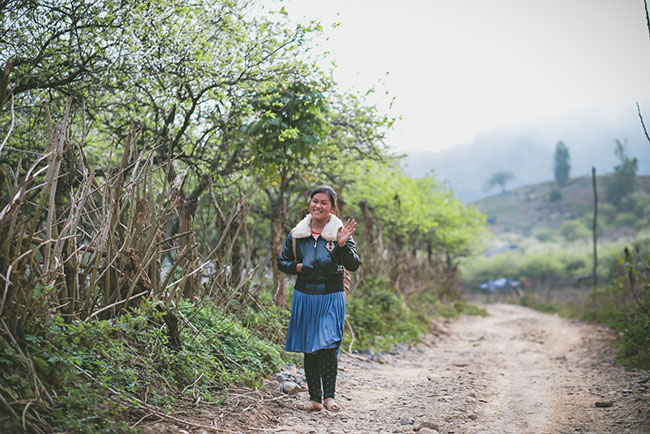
(185, 422)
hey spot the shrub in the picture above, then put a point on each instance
(555, 195)
(625, 305)
(546, 234)
(380, 319)
(98, 368)
(636, 202)
(573, 230)
(543, 265)
(625, 220)
(643, 223)
(607, 211)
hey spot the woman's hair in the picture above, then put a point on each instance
(328, 191)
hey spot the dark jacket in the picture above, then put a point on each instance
(322, 259)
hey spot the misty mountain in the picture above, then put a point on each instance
(528, 153)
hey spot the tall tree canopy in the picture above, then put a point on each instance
(562, 161)
(225, 98)
(623, 181)
(500, 178)
(151, 149)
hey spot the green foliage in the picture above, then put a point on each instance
(380, 319)
(543, 265)
(228, 349)
(555, 195)
(435, 308)
(533, 301)
(290, 130)
(624, 220)
(625, 305)
(607, 212)
(100, 366)
(269, 322)
(572, 230)
(530, 206)
(216, 95)
(415, 211)
(464, 308)
(545, 234)
(562, 160)
(500, 178)
(623, 181)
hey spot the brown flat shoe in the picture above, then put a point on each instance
(309, 406)
(331, 405)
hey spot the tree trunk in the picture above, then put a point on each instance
(278, 222)
(186, 210)
(237, 264)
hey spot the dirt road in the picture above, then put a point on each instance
(513, 371)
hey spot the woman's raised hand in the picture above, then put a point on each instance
(346, 231)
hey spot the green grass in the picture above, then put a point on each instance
(101, 368)
(380, 319)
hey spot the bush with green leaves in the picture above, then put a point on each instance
(625, 305)
(606, 211)
(100, 368)
(555, 195)
(544, 265)
(379, 318)
(545, 234)
(573, 230)
(624, 220)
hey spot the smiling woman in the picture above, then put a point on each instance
(317, 250)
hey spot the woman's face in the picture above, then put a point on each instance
(320, 207)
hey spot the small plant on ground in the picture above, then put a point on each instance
(100, 368)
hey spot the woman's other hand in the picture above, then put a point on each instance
(346, 231)
(299, 267)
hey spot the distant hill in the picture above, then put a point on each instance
(525, 209)
(528, 153)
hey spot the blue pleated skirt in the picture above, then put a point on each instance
(316, 321)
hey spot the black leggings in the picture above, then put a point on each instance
(322, 366)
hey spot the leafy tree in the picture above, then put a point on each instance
(54, 50)
(308, 134)
(402, 218)
(562, 163)
(555, 195)
(623, 181)
(500, 178)
(286, 137)
(185, 75)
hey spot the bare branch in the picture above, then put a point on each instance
(647, 17)
(638, 109)
(11, 127)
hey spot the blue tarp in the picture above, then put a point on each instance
(500, 285)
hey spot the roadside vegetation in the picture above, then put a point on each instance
(153, 157)
(543, 238)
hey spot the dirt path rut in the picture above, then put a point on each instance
(512, 371)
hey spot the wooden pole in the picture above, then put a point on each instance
(593, 229)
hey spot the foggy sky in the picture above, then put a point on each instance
(458, 70)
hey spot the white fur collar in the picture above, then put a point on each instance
(303, 228)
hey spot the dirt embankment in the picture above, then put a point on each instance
(513, 371)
